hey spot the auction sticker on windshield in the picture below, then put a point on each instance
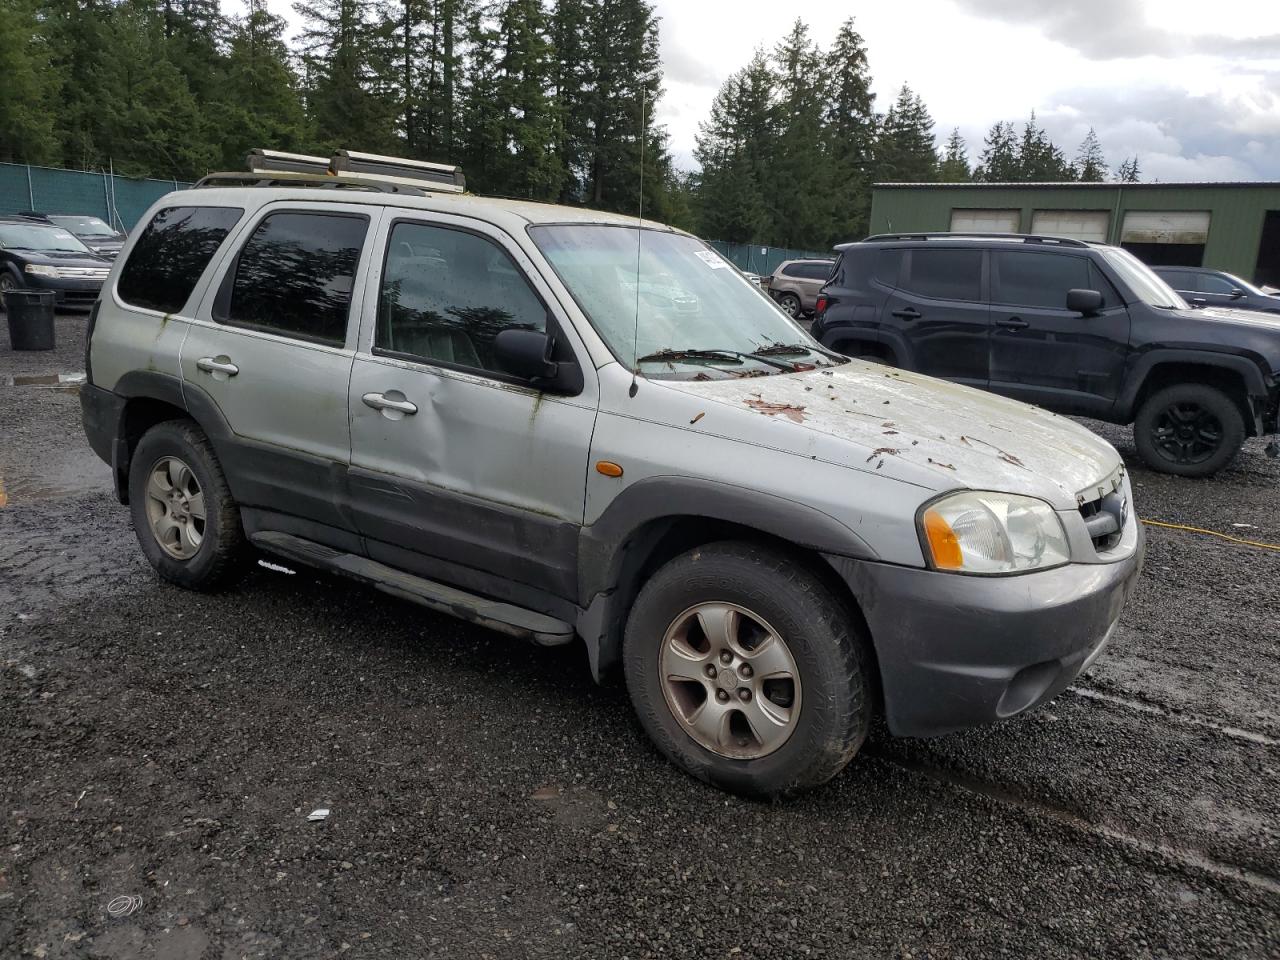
(710, 258)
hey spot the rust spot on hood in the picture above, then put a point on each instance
(791, 411)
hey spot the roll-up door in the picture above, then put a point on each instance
(986, 221)
(1150, 226)
(1088, 225)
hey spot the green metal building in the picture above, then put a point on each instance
(1230, 226)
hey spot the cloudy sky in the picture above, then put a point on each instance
(1191, 87)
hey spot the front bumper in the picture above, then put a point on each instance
(957, 651)
(68, 293)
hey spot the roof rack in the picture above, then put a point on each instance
(346, 170)
(1024, 237)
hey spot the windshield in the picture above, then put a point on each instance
(673, 304)
(38, 237)
(1140, 278)
(85, 226)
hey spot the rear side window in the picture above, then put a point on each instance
(295, 274)
(1178, 280)
(1038, 279)
(888, 267)
(945, 274)
(171, 254)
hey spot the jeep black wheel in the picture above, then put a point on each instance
(186, 521)
(746, 671)
(1190, 430)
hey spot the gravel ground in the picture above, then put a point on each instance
(489, 801)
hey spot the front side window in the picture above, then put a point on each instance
(1212, 283)
(171, 254)
(1038, 279)
(672, 308)
(447, 293)
(295, 275)
(945, 274)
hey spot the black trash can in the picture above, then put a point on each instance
(30, 314)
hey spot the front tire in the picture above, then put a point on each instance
(185, 519)
(746, 671)
(1188, 430)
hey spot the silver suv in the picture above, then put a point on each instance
(477, 405)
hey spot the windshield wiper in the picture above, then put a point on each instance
(792, 350)
(722, 356)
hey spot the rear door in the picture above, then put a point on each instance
(460, 471)
(1043, 353)
(272, 347)
(937, 319)
(1215, 290)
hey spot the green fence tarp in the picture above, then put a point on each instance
(755, 258)
(120, 201)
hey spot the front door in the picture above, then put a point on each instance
(937, 320)
(272, 347)
(460, 471)
(1043, 353)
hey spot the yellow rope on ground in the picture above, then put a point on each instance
(1212, 533)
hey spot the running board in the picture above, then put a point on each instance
(503, 617)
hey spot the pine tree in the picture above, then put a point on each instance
(905, 148)
(339, 46)
(529, 165)
(955, 160)
(799, 194)
(999, 162)
(1129, 172)
(480, 114)
(733, 149)
(571, 83)
(259, 104)
(1090, 165)
(1039, 159)
(26, 108)
(849, 133)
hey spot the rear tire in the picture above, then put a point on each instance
(186, 521)
(790, 305)
(791, 723)
(1188, 430)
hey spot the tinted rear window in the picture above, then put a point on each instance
(1178, 280)
(1038, 279)
(295, 275)
(945, 274)
(171, 254)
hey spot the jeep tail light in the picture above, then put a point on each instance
(821, 306)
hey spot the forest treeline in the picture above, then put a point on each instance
(544, 99)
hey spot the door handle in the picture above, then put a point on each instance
(1012, 323)
(217, 365)
(382, 402)
(910, 313)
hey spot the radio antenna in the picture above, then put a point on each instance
(635, 338)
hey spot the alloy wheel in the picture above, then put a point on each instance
(730, 680)
(1187, 433)
(175, 508)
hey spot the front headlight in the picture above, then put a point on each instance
(41, 270)
(993, 533)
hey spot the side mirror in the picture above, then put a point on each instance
(526, 354)
(1237, 293)
(1086, 302)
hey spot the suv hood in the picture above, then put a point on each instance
(932, 433)
(1252, 318)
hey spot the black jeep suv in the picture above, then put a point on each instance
(1079, 328)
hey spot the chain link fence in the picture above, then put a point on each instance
(121, 201)
(763, 260)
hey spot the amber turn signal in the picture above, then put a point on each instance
(943, 543)
(608, 468)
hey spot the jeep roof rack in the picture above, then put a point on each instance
(346, 170)
(942, 235)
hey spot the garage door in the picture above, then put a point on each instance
(1149, 226)
(985, 221)
(1077, 224)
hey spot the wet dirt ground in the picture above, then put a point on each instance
(487, 800)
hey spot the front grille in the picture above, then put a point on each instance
(82, 273)
(1104, 518)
